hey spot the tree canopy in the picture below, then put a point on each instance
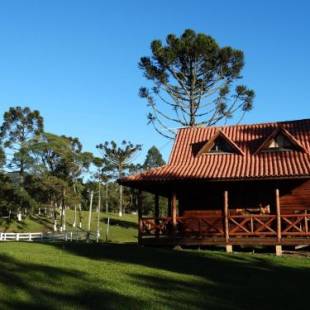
(118, 160)
(192, 83)
(153, 158)
(20, 127)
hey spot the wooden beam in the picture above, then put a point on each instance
(174, 211)
(156, 202)
(278, 211)
(226, 226)
(140, 206)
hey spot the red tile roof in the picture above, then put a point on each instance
(184, 163)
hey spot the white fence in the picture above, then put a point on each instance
(20, 236)
(63, 236)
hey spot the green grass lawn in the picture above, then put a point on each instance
(121, 229)
(126, 276)
(122, 275)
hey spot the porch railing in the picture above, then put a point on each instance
(251, 225)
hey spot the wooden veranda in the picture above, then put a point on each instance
(223, 227)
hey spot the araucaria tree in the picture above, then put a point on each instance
(118, 159)
(20, 128)
(194, 78)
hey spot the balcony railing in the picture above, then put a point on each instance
(250, 225)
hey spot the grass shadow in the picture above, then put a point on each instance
(227, 281)
(121, 223)
(37, 286)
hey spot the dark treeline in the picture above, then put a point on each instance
(45, 172)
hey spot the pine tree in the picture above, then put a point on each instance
(193, 77)
(20, 127)
(153, 158)
(118, 159)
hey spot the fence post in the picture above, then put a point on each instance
(29, 237)
(17, 237)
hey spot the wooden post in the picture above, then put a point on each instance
(174, 211)
(140, 217)
(226, 226)
(278, 215)
(156, 202)
(306, 221)
(169, 206)
(278, 246)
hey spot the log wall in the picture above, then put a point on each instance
(294, 195)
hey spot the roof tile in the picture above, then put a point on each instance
(185, 164)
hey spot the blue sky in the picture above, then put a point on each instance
(76, 61)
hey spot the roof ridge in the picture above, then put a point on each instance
(244, 125)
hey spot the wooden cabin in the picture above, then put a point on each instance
(231, 185)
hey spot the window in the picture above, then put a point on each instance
(221, 146)
(280, 140)
(281, 143)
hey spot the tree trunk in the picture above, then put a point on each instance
(90, 209)
(61, 216)
(192, 103)
(80, 213)
(120, 212)
(55, 217)
(98, 211)
(63, 225)
(106, 199)
(64, 218)
(74, 221)
(21, 173)
(19, 215)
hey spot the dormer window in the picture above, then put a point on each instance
(220, 144)
(280, 143)
(280, 140)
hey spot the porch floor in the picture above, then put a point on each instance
(194, 241)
